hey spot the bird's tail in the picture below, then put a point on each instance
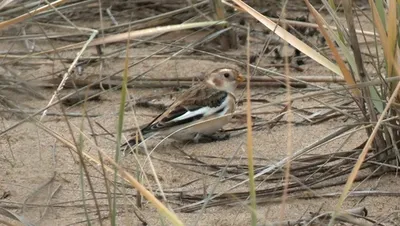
(131, 143)
(134, 141)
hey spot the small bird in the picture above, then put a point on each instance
(209, 99)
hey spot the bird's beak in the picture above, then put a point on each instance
(240, 78)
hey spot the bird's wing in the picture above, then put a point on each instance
(191, 106)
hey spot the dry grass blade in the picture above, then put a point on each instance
(254, 79)
(363, 155)
(313, 165)
(15, 84)
(305, 183)
(35, 193)
(383, 35)
(121, 172)
(348, 216)
(66, 75)
(392, 34)
(30, 14)
(346, 73)
(389, 58)
(14, 216)
(305, 24)
(291, 39)
(249, 124)
(5, 3)
(149, 83)
(137, 34)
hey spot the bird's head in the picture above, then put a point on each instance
(225, 79)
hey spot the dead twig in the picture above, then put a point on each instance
(347, 216)
(139, 83)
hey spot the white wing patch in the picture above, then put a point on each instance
(205, 111)
(223, 112)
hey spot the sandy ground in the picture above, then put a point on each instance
(40, 176)
(36, 169)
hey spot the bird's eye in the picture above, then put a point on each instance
(226, 75)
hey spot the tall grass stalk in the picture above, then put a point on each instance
(361, 157)
(386, 25)
(119, 131)
(289, 144)
(82, 181)
(82, 164)
(250, 138)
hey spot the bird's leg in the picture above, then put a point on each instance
(221, 136)
(197, 138)
(207, 138)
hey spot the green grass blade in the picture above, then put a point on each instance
(119, 133)
(82, 181)
(381, 11)
(331, 7)
(379, 104)
(345, 71)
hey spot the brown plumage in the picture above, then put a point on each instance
(209, 99)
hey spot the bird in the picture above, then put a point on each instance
(204, 102)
